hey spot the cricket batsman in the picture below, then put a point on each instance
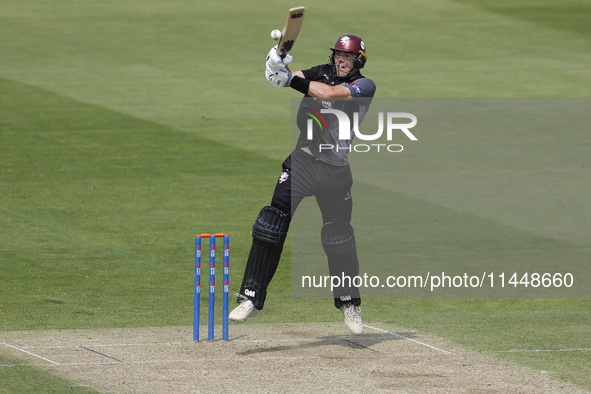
(312, 171)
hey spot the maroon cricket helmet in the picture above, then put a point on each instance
(352, 44)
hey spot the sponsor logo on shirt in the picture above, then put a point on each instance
(356, 88)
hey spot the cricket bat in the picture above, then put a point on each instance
(290, 32)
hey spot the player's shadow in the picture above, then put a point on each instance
(366, 342)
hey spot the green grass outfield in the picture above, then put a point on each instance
(128, 126)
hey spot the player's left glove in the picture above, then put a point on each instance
(278, 78)
(277, 62)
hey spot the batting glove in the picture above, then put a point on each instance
(278, 78)
(277, 62)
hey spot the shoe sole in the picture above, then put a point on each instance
(354, 333)
(245, 319)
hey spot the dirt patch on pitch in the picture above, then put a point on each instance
(270, 358)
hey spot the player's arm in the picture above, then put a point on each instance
(279, 75)
(317, 89)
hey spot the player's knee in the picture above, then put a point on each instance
(271, 226)
(337, 238)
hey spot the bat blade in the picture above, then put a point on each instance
(290, 32)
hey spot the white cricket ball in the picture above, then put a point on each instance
(276, 34)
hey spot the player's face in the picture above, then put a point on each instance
(344, 62)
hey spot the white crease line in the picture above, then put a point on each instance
(356, 338)
(193, 360)
(109, 345)
(408, 339)
(335, 340)
(32, 354)
(200, 360)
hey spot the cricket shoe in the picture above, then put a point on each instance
(352, 316)
(243, 310)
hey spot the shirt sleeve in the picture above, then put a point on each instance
(317, 73)
(362, 87)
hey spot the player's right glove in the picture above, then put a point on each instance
(275, 61)
(278, 78)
